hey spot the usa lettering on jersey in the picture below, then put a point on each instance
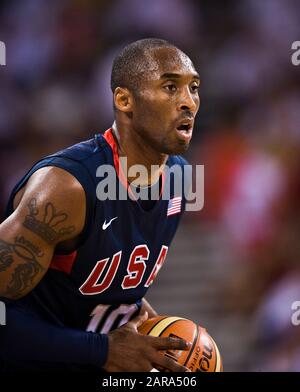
(97, 282)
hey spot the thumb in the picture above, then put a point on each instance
(139, 320)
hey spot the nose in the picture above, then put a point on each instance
(188, 101)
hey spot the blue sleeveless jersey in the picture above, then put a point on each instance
(100, 285)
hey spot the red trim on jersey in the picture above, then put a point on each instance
(108, 135)
(63, 263)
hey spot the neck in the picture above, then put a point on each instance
(138, 152)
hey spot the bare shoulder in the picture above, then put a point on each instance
(49, 210)
(57, 198)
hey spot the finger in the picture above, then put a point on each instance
(169, 364)
(168, 343)
(139, 320)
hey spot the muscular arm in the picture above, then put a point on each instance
(50, 210)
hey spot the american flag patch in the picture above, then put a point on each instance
(174, 206)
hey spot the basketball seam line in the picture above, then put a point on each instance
(156, 325)
(194, 344)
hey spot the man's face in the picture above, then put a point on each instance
(167, 101)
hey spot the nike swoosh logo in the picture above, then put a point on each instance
(105, 225)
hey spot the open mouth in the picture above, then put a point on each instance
(184, 131)
(184, 127)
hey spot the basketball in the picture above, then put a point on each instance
(203, 356)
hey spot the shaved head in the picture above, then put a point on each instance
(135, 61)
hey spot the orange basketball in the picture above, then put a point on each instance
(203, 356)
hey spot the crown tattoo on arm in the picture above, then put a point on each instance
(47, 228)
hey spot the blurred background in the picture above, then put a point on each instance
(234, 267)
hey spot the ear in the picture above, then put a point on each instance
(123, 99)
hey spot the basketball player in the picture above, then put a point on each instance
(74, 269)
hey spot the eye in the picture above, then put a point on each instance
(195, 87)
(171, 87)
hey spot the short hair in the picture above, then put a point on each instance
(129, 66)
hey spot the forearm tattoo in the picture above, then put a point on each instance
(24, 254)
(6, 257)
(47, 228)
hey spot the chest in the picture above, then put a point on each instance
(124, 252)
